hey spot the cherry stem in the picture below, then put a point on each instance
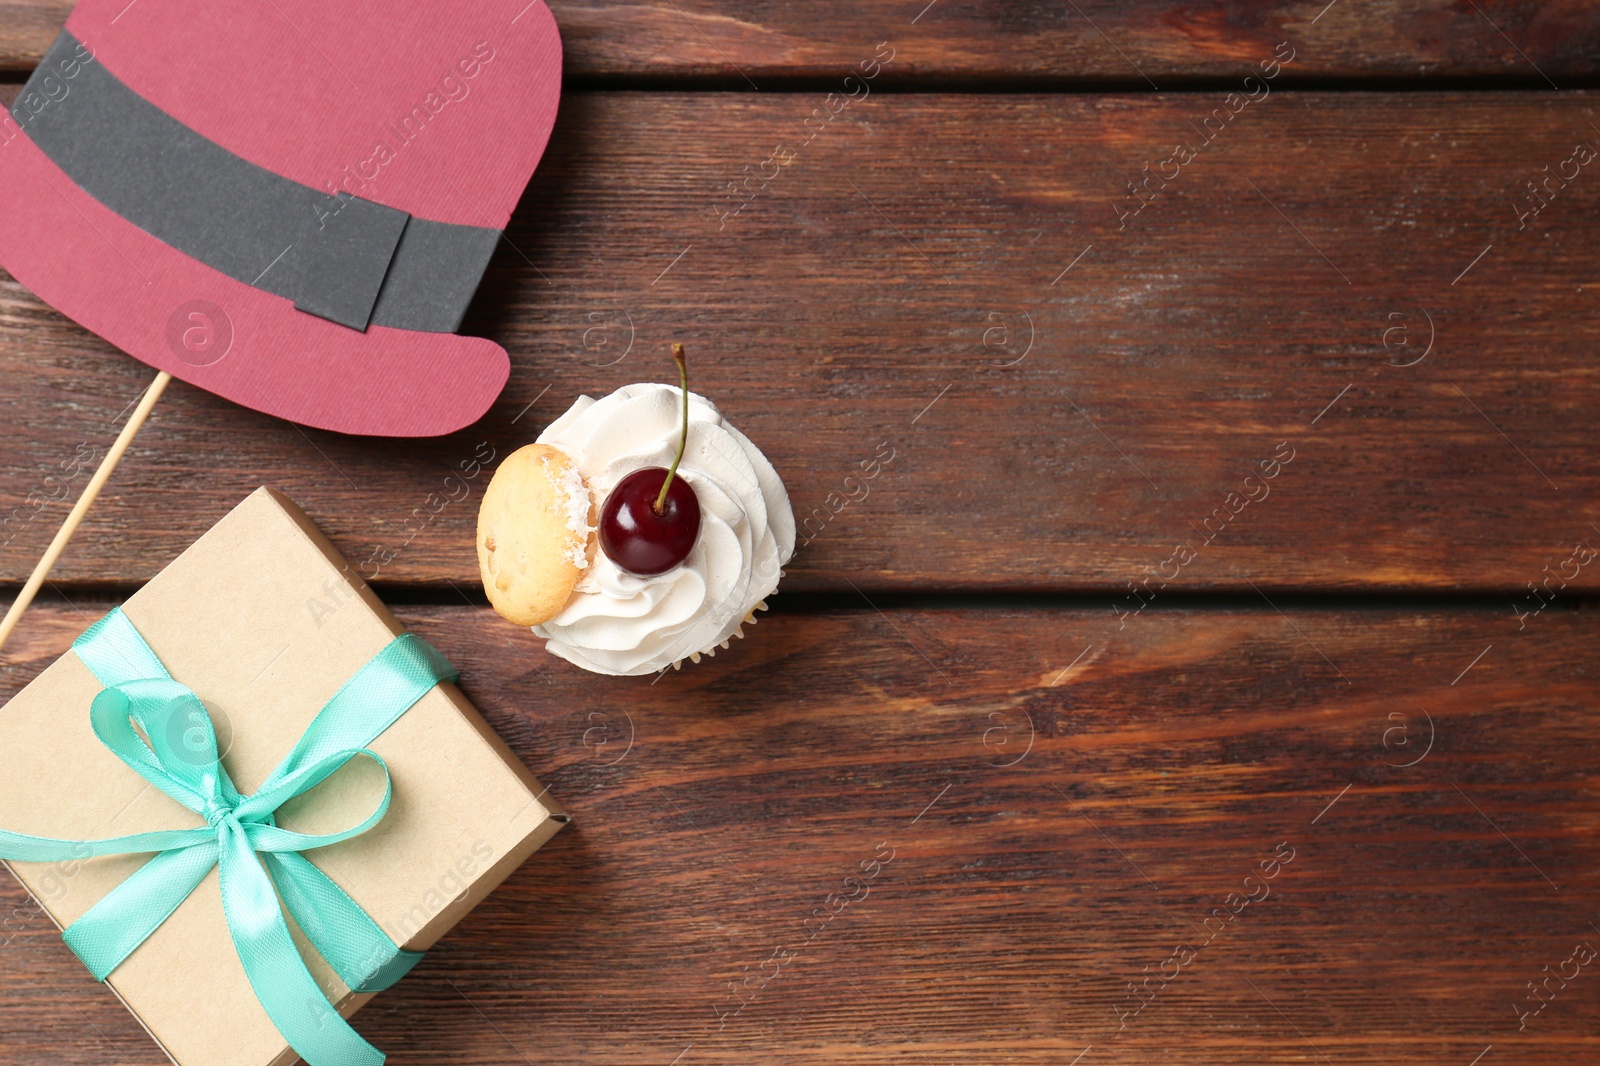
(683, 438)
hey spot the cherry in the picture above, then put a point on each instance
(637, 537)
(651, 520)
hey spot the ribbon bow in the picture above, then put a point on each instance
(259, 863)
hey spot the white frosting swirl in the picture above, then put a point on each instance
(621, 623)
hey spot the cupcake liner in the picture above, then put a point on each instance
(738, 634)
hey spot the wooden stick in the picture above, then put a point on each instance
(81, 508)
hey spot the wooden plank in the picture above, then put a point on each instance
(1069, 398)
(1058, 823)
(1095, 40)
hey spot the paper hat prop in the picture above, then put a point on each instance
(289, 204)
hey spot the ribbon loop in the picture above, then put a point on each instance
(174, 746)
(162, 731)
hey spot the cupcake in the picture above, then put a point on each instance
(640, 530)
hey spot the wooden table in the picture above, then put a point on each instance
(1070, 669)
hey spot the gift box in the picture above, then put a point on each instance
(277, 638)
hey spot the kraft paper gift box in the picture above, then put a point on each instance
(264, 621)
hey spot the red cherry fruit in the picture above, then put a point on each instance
(650, 521)
(637, 537)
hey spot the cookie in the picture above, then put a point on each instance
(533, 534)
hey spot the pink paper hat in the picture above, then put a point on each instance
(289, 204)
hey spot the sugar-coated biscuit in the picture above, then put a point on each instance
(533, 534)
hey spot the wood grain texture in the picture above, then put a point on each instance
(1069, 395)
(1096, 40)
(1055, 831)
(1073, 384)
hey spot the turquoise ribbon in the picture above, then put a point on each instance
(175, 748)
